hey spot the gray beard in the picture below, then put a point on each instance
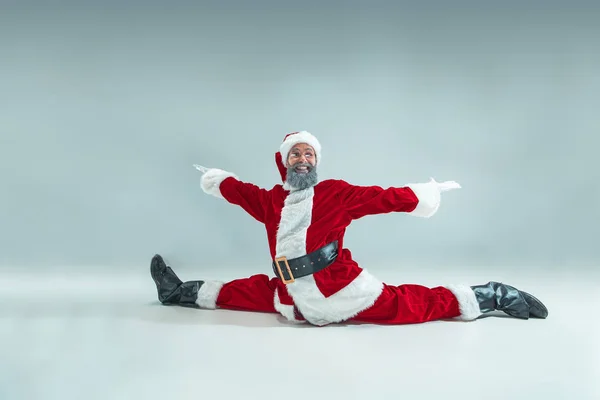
(302, 181)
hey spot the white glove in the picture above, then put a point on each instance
(445, 186)
(211, 179)
(201, 168)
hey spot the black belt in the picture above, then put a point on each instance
(289, 270)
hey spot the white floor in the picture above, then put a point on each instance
(98, 335)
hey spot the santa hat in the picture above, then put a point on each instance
(289, 141)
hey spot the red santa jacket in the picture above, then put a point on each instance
(298, 222)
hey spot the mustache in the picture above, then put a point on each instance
(309, 166)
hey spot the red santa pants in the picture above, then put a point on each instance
(403, 304)
(256, 293)
(410, 304)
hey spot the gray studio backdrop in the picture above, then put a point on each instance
(105, 107)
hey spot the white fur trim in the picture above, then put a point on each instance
(317, 309)
(211, 180)
(296, 216)
(208, 294)
(299, 137)
(467, 302)
(429, 198)
(357, 296)
(286, 310)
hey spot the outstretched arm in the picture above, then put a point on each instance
(418, 199)
(228, 186)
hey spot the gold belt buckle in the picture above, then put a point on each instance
(287, 265)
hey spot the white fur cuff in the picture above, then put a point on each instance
(211, 180)
(429, 199)
(286, 310)
(208, 294)
(467, 302)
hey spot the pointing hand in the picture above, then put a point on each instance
(447, 185)
(201, 168)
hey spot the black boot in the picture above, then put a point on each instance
(516, 303)
(171, 290)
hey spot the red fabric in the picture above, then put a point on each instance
(255, 293)
(336, 204)
(411, 304)
(280, 167)
(403, 304)
(288, 135)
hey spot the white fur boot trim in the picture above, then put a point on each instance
(208, 294)
(467, 302)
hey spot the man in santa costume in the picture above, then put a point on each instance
(315, 280)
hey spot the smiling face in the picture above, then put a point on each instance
(301, 166)
(301, 154)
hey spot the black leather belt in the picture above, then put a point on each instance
(289, 270)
